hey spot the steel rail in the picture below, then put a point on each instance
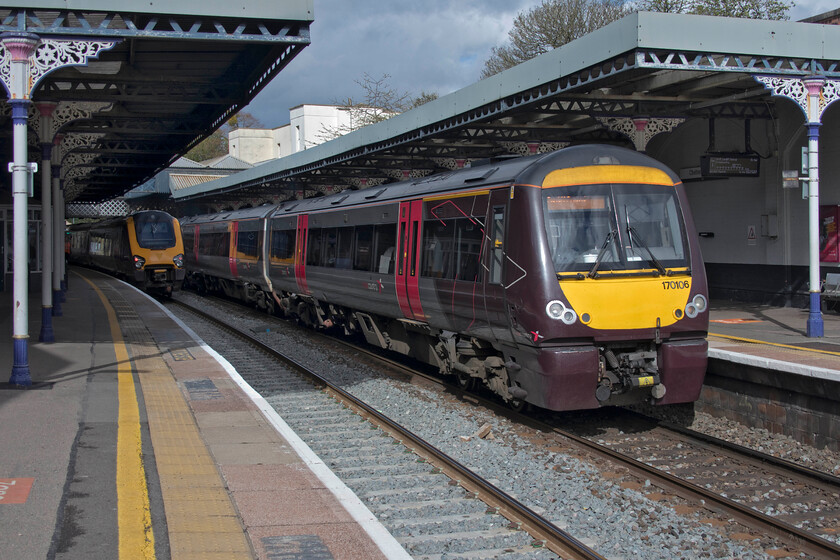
(554, 538)
(803, 540)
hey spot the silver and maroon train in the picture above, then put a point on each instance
(570, 280)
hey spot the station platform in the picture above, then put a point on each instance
(774, 338)
(119, 450)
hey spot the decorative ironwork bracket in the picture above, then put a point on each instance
(640, 129)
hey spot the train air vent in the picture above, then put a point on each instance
(291, 207)
(339, 200)
(374, 194)
(480, 175)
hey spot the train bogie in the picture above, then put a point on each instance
(570, 280)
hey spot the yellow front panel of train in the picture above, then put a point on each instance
(628, 303)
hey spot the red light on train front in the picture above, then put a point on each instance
(139, 262)
(178, 260)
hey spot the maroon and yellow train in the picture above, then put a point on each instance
(569, 280)
(145, 248)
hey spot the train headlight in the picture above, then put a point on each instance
(557, 310)
(696, 306)
(139, 262)
(178, 260)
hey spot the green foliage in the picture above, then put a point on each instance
(550, 25)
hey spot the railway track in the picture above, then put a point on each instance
(433, 505)
(773, 497)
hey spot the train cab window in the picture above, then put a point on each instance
(363, 248)
(497, 251)
(596, 229)
(154, 230)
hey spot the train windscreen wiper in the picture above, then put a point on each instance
(593, 272)
(631, 231)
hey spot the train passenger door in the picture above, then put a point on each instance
(407, 268)
(494, 291)
(300, 253)
(234, 235)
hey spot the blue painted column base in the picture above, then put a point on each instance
(63, 291)
(20, 368)
(56, 309)
(47, 334)
(814, 328)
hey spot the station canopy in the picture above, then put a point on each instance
(649, 66)
(179, 70)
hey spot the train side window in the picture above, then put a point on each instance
(415, 230)
(437, 248)
(344, 246)
(283, 244)
(329, 245)
(247, 243)
(497, 250)
(363, 248)
(386, 241)
(223, 247)
(313, 247)
(403, 248)
(468, 238)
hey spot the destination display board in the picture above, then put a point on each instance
(729, 165)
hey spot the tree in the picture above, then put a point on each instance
(550, 25)
(557, 22)
(380, 101)
(216, 145)
(751, 9)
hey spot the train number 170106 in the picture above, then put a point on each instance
(676, 285)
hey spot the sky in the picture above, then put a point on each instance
(424, 46)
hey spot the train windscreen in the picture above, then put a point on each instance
(154, 230)
(594, 229)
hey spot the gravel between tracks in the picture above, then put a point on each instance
(622, 521)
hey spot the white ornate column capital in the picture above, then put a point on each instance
(813, 94)
(44, 55)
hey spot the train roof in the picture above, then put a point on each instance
(243, 214)
(530, 170)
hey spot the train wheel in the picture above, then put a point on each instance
(465, 381)
(518, 405)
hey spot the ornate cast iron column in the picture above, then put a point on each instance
(45, 134)
(813, 94)
(25, 58)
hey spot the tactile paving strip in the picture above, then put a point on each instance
(201, 519)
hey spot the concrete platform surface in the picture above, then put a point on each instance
(136, 441)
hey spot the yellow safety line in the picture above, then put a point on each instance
(134, 518)
(800, 348)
